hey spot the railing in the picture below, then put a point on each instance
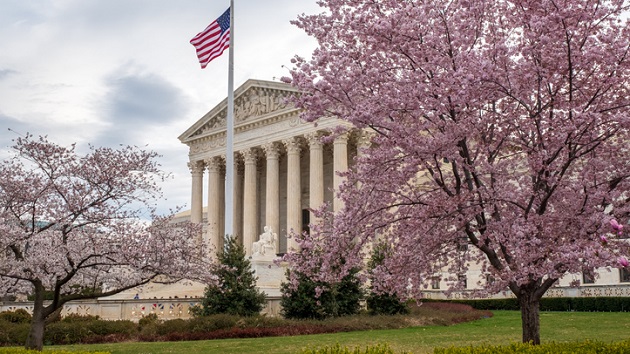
(133, 310)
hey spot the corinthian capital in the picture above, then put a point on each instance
(196, 167)
(213, 164)
(272, 150)
(293, 145)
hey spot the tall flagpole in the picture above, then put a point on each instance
(229, 154)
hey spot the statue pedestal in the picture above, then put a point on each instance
(270, 275)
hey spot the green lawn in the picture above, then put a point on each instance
(503, 328)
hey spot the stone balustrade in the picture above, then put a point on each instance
(134, 310)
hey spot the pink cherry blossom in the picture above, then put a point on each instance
(616, 226)
(623, 261)
(502, 125)
(75, 225)
(603, 239)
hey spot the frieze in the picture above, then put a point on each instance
(207, 145)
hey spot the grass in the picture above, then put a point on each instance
(503, 328)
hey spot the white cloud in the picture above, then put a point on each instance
(121, 71)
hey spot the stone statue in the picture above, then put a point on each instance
(266, 245)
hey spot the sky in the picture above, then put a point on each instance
(122, 72)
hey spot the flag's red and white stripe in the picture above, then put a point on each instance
(212, 41)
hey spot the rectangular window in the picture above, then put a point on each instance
(462, 244)
(588, 277)
(463, 280)
(624, 275)
(435, 283)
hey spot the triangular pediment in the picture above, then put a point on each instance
(253, 101)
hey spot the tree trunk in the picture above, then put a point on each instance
(530, 315)
(35, 338)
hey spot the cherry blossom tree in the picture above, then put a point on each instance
(502, 125)
(71, 226)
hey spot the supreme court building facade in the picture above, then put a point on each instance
(281, 167)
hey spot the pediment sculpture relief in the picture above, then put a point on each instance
(258, 102)
(253, 103)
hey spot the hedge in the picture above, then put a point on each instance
(45, 351)
(586, 347)
(337, 349)
(580, 304)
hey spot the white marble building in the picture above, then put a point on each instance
(281, 169)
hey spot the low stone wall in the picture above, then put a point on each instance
(133, 310)
(580, 291)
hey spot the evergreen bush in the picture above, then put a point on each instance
(382, 303)
(236, 293)
(340, 299)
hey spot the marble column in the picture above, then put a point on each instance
(340, 164)
(294, 191)
(250, 200)
(215, 196)
(316, 173)
(238, 198)
(272, 195)
(196, 205)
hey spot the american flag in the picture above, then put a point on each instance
(211, 42)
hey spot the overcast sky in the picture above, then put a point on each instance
(123, 71)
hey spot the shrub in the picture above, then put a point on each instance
(88, 329)
(101, 327)
(385, 304)
(212, 323)
(45, 351)
(341, 299)
(148, 327)
(17, 316)
(237, 293)
(65, 333)
(263, 321)
(382, 303)
(13, 333)
(172, 326)
(585, 304)
(148, 320)
(337, 349)
(73, 317)
(586, 347)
